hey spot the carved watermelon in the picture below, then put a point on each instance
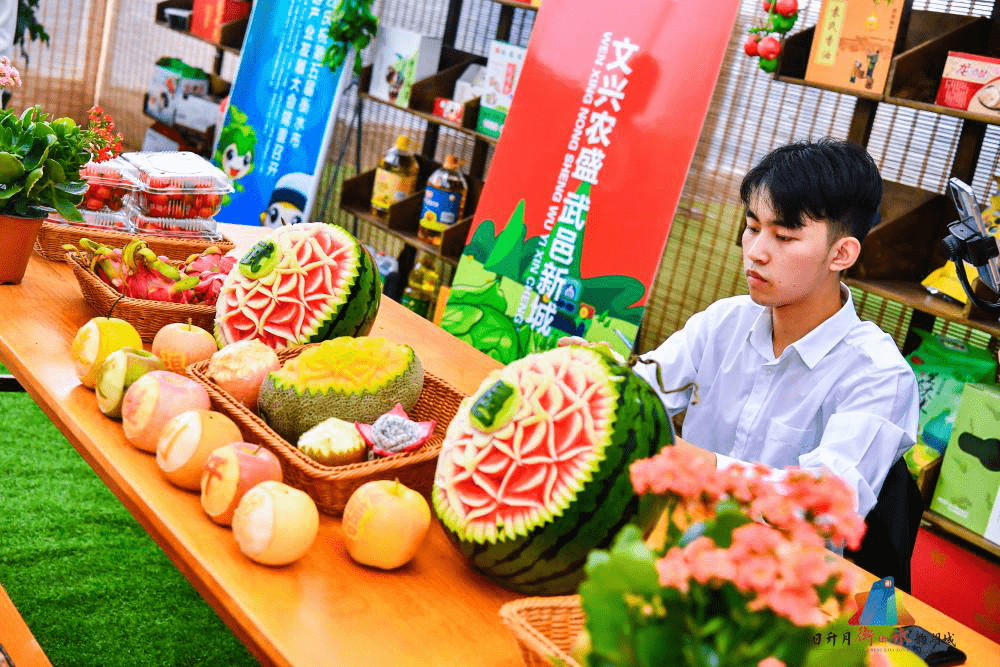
(303, 283)
(534, 470)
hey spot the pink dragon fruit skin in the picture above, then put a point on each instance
(156, 280)
(211, 268)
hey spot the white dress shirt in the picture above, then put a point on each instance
(841, 397)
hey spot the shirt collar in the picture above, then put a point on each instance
(816, 344)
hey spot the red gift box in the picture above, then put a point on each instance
(208, 16)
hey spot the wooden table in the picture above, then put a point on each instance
(323, 609)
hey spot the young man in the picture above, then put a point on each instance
(789, 375)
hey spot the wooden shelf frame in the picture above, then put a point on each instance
(948, 526)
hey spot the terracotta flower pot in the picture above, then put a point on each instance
(18, 240)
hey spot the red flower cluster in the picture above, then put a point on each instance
(104, 143)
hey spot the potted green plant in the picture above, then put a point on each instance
(40, 161)
(736, 576)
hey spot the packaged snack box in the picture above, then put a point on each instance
(109, 182)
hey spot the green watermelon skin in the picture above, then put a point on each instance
(549, 560)
(357, 317)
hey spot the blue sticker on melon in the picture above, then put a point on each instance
(301, 284)
(534, 470)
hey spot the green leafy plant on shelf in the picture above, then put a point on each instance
(353, 26)
(41, 157)
(737, 573)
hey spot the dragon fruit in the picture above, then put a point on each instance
(104, 261)
(211, 268)
(155, 278)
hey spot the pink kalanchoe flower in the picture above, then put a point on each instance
(9, 76)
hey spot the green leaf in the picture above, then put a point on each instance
(11, 168)
(55, 172)
(65, 205)
(72, 187)
(40, 148)
(33, 178)
(10, 190)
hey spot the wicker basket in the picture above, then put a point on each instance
(331, 486)
(146, 316)
(546, 628)
(54, 235)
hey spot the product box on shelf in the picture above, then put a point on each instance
(853, 44)
(968, 489)
(470, 85)
(209, 16)
(449, 109)
(503, 69)
(171, 79)
(401, 57)
(971, 82)
(201, 115)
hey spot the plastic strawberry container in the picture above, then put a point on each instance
(192, 228)
(109, 183)
(179, 185)
(115, 220)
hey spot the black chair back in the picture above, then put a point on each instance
(892, 527)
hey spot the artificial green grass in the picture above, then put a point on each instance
(93, 587)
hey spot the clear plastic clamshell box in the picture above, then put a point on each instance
(113, 220)
(190, 228)
(109, 182)
(177, 185)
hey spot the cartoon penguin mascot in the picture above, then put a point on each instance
(288, 201)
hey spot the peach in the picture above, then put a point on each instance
(230, 472)
(179, 344)
(275, 524)
(153, 400)
(240, 368)
(188, 440)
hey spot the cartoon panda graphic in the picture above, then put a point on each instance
(288, 201)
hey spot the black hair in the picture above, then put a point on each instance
(829, 180)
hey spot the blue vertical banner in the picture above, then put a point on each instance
(281, 114)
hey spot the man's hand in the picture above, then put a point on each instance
(695, 449)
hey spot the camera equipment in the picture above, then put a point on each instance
(970, 241)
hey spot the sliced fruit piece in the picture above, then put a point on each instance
(333, 442)
(354, 379)
(120, 369)
(95, 340)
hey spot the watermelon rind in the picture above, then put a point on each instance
(546, 554)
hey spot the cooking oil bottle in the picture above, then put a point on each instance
(444, 201)
(421, 286)
(395, 177)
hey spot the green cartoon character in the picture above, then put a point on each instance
(235, 149)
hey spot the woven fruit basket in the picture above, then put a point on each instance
(546, 628)
(146, 316)
(54, 235)
(332, 486)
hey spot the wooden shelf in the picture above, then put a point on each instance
(409, 238)
(915, 296)
(961, 532)
(431, 118)
(515, 4)
(925, 35)
(227, 49)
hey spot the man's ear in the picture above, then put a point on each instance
(844, 253)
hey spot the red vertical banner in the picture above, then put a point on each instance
(588, 172)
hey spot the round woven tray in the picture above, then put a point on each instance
(546, 628)
(332, 486)
(54, 235)
(146, 316)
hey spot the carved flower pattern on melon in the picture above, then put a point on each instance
(311, 279)
(502, 484)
